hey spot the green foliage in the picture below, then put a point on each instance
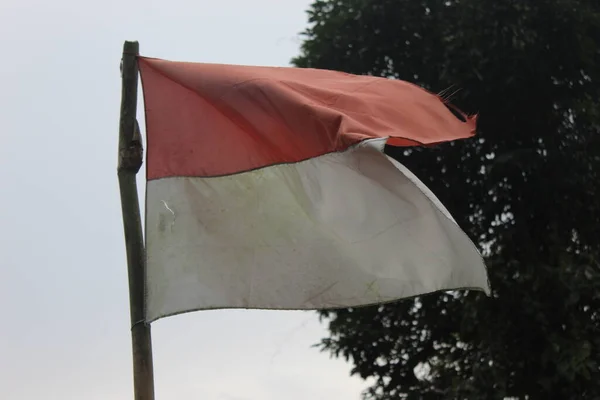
(526, 189)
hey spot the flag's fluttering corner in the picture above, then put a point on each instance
(268, 188)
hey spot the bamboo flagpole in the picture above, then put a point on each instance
(130, 160)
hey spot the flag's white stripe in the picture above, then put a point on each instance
(344, 229)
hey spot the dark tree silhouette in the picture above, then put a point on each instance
(526, 189)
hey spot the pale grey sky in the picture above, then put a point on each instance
(64, 330)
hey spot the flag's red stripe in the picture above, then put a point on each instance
(209, 119)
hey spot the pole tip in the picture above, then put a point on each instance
(131, 47)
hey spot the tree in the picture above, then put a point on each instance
(526, 189)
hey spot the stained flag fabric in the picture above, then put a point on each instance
(268, 188)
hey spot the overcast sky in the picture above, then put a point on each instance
(64, 327)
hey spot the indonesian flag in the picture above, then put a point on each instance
(268, 188)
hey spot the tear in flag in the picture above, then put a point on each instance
(268, 188)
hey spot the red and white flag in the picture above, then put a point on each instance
(268, 188)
